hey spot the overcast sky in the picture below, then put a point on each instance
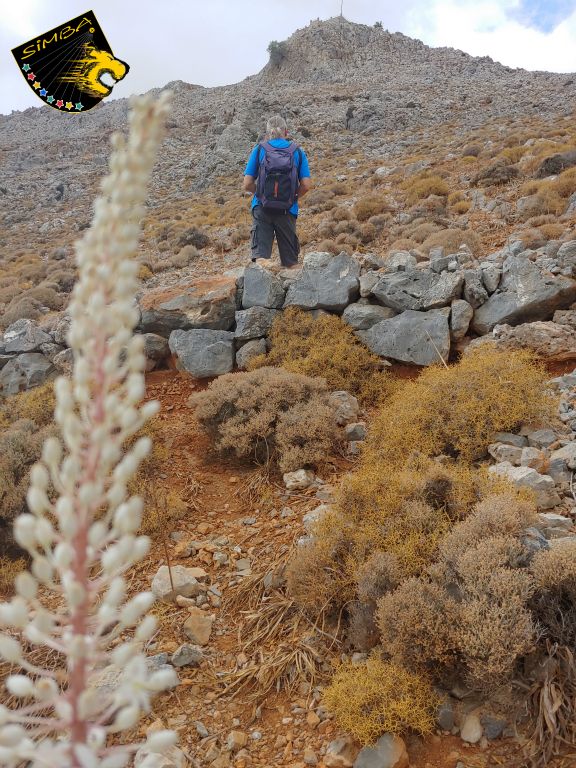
(216, 42)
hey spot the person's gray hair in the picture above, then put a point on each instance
(276, 127)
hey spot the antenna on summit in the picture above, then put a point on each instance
(341, 9)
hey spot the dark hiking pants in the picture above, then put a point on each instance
(266, 226)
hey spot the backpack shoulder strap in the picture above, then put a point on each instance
(258, 147)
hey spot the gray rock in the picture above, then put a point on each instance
(187, 656)
(493, 726)
(552, 520)
(541, 438)
(182, 583)
(326, 282)
(298, 480)
(531, 457)
(474, 291)
(25, 372)
(491, 274)
(156, 347)
(445, 716)
(503, 452)
(250, 350)
(315, 515)
(346, 407)
(254, 323)
(367, 281)
(64, 361)
(566, 256)
(510, 439)
(567, 454)
(388, 752)
(418, 290)
(107, 680)
(525, 294)
(262, 289)
(543, 486)
(196, 304)
(340, 753)
(364, 316)
(355, 431)
(60, 330)
(204, 353)
(411, 337)
(400, 261)
(5, 359)
(460, 318)
(50, 349)
(25, 336)
(471, 731)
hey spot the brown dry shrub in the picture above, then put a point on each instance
(472, 150)
(46, 296)
(554, 605)
(379, 697)
(28, 308)
(452, 239)
(462, 207)
(552, 230)
(511, 155)
(327, 347)
(381, 573)
(402, 244)
(243, 414)
(417, 624)
(421, 188)
(423, 231)
(370, 206)
(328, 246)
(20, 447)
(311, 577)
(456, 197)
(9, 569)
(319, 197)
(368, 232)
(341, 214)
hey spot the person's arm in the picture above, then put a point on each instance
(249, 184)
(304, 186)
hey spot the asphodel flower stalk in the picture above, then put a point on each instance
(81, 528)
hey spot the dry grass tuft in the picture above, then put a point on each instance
(421, 188)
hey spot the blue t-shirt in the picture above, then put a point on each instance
(253, 164)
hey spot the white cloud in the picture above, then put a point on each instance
(486, 28)
(223, 41)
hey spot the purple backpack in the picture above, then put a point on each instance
(277, 180)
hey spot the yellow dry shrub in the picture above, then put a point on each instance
(552, 230)
(370, 206)
(144, 272)
(420, 189)
(36, 404)
(325, 347)
(9, 569)
(462, 207)
(565, 184)
(511, 155)
(379, 697)
(457, 410)
(456, 197)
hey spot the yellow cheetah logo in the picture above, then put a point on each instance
(86, 72)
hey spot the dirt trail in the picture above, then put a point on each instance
(220, 508)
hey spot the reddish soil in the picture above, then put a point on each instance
(217, 510)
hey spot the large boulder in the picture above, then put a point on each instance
(418, 290)
(249, 351)
(25, 336)
(209, 303)
(460, 316)
(262, 289)
(254, 323)
(24, 372)
(364, 316)
(548, 340)
(203, 352)
(525, 293)
(420, 338)
(326, 282)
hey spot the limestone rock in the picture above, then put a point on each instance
(346, 407)
(525, 294)
(474, 291)
(156, 347)
(525, 477)
(460, 317)
(418, 290)
(566, 454)
(25, 336)
(248, 351)
(254, 323)
(341, 753)
(471, 731)
(298, 480)
(25, 372)
(64, 361)
(400, 261)
(364, 316)
(262, 289)
(208, 304)
(326, 282)
(413, 337)
(184, 583)
(388, 752)
(198, 626)
(204, 353)
(187, 656)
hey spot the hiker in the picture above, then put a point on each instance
(278, 174)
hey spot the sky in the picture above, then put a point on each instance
(218, 42)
